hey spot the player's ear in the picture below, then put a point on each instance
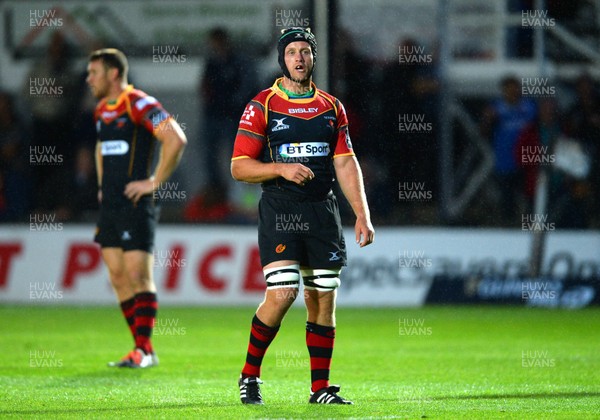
(113, 73)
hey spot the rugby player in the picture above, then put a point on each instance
(127, 122)
(293, 139)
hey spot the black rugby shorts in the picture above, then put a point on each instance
(296, 228)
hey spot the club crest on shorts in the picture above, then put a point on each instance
(280, 248)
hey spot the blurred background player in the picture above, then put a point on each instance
(293, 138)
(502, 121)
(127, 122)
(51, 117)
(227, 85)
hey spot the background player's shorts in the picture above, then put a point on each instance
(290, 228)
(129, 227)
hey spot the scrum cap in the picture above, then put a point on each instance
(292, 35)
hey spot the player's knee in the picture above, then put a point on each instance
(120, 284)
(285, 277)
(138, 279)
(134, 275)
(118, 278)
(323, 280)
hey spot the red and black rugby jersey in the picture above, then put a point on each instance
(126, 132)
(312, 131)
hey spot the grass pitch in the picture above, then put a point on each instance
(433, 362)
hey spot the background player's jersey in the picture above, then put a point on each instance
(311, 131)
(125, 130)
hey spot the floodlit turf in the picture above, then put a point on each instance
(434, 362)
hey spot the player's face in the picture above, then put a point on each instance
(97, 79)
(299, 60)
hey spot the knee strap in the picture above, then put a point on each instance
(323, 280)
(285, 276)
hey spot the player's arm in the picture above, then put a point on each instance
(173, 142)
(349, 176)
(248, 147)
(98, 156)
(251, 170)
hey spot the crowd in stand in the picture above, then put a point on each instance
(376, 97)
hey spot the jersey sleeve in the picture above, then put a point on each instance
(251, 134)
(343, 146)
(149, 113)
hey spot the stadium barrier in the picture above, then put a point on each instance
(219, 265)
(548, 292)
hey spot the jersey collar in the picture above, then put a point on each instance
(120, 99)
(285, 96)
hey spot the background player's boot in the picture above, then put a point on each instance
(250, 390)
(154, 359)
(136, 359)
(328, 396)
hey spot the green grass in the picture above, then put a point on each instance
(463, 362)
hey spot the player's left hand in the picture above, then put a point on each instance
(137, 189)
(365, 234)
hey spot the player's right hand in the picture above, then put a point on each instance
(296, 172)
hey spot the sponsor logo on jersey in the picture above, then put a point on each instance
(280, 125)
(108, 115)
(121, 122)
(302, 110)
(146, 100)
(314, 149)
(348, 142)
(114, 147)
(248, 112)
